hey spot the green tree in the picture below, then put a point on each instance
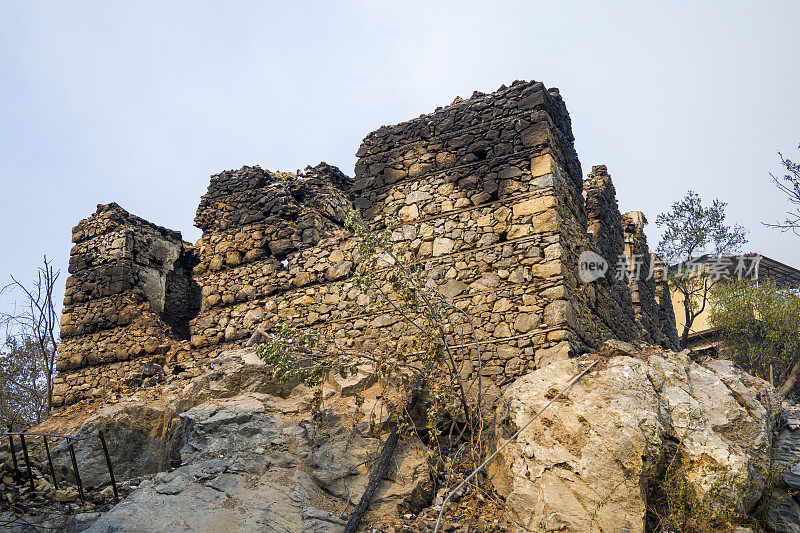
(760, 325)
(691, 231)
(23, 391)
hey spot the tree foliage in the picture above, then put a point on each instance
(789, 184)
(23, 391)
(692, 230)
(760, 325)
(31, 348)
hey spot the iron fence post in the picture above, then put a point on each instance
(27, 461)
(50, 462)
(108, 463)
(75, 468)
(13, 454)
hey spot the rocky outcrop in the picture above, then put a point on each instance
(256, 462)
(592, 460)
(783, 513)
(142, 429)
(232, 450)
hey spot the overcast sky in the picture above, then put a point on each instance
(139, 102)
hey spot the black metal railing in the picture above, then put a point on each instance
(71, 440)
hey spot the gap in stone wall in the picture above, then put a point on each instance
(182, 296)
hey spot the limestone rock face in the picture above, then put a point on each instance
(256, 463)
(140, 430)
(231, 439)
(587, 463)
(784, 513)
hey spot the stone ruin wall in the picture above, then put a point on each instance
(635, 300)
(486, 196)
(605, 231)
(128, 299)
(652, 305)
(664, 309)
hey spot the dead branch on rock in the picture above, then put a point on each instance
(379, 470)
(506, 443)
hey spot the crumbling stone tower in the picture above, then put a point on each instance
(129, 295)
(262, 244)
(607, 233)
(490, 190)
(488, 196)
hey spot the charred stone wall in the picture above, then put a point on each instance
(484, 196)
(481, 188)
(261, 244)
(666, 314)
(613, 302)
(641, 280)
(130, 294)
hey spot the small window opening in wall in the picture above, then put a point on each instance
(285, 264)
(481, 154)
(502, 236)
(177, 369)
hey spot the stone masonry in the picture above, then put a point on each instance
(129, 298)
(604, 226)
(485, 196)
(666, 314)
(638, 255)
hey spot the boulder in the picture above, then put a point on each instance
(233, 450)
(139, 429)
(591, 460)
(256, 462)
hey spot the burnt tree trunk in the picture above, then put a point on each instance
(379, 471)
(791, 380)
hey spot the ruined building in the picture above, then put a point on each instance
(491, 204)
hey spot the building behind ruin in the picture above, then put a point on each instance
(703, 336)
(486, 196)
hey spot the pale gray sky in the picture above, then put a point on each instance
(139, 102)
